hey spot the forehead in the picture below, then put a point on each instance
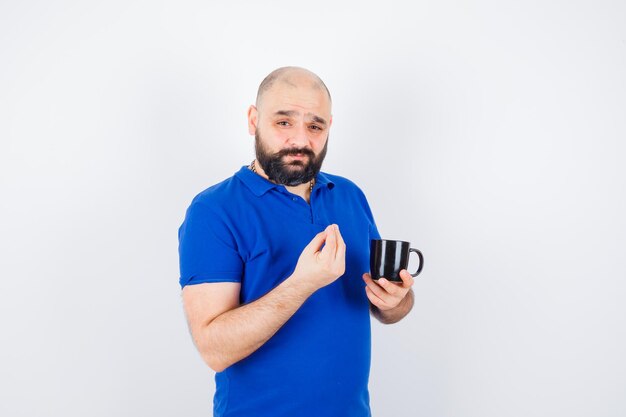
(296, 97)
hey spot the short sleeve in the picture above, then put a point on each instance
(373, 230)
(374, 235)
(207, 249)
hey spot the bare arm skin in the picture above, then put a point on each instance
(396, 314)
(225, 332)
(390, 302)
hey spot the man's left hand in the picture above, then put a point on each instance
(385, 294)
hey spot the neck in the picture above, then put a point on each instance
(303, 190)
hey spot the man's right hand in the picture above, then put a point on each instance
(226, 332)
(317, 266)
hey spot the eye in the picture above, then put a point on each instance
(315, 127)
(283, 123)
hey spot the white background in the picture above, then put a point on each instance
(488, 133)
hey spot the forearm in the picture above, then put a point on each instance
(395, 314)
(237, 333)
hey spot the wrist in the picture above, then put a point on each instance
(394, 314)
(300, 285)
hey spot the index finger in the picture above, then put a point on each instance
(330, 247)
(340, 241)
(341, 247)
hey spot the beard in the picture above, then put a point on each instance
(288, 173)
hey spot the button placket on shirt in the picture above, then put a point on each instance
(300, 202)
(309, 206)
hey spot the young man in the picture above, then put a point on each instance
(274, 265)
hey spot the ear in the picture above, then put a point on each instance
(253, 118)
(330, 121)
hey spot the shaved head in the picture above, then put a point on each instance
(290, 123)
(292, 76)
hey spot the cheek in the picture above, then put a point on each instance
(319, 144)
(278, 136)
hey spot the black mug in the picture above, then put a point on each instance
(389, 257)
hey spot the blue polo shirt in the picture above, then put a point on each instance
(249, 230)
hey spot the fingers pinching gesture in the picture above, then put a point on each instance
(318, 265)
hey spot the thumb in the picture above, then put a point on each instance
(316, 244)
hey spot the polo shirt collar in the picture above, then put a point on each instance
(259, 185)
(322, 179)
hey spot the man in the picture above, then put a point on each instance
(271, 264)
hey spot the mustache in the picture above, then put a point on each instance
(295, 151)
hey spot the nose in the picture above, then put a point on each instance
(299, 137)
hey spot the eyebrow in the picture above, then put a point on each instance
(292, 113)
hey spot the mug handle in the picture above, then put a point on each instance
(419, 254)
